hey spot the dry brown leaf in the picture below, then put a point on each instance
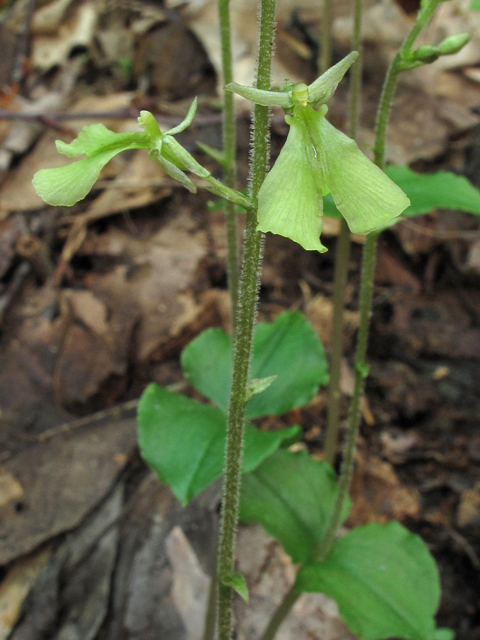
(319, 312)
(190, 584)
(10, 488)
(16, 586)
(469, 508)
(378, 495)
(57, 480)
(151, 287)
(49, 51)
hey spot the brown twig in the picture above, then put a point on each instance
(23, 45)
(37, 254)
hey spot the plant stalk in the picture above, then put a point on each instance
(342, 255)
(366, 288)
(366, 291)
(281, 612)
(334, 394)
(244, 331)
(229, 149)
(231, 195)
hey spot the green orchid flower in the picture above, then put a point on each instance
(316, 160)
(64, 186)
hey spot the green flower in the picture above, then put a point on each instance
(64, 186)
(317, 159)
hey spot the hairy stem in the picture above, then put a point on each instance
(244, 331)
(343, 254)
(366, 291)
(229, 148)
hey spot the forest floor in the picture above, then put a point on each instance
(99, 300)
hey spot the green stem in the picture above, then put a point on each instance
(231, 195)
(390, 84)
(244, 332)
(281, 612)
(366, 289)
(326, 37)
(229, 148)
(339, 285)
(342, 256)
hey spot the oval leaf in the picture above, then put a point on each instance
(383, 579)
(292, 497)
(184, 441)
(288, 348)
(440, 190)
(427, 192)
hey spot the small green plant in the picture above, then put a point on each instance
(382, 577)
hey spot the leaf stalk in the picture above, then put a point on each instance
(343, 254)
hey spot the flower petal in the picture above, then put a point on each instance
(64, 186)
(290, 199)
(364, 194)
(95, 138)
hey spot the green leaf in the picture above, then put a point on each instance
(441, 190)
(288, 348)
(330, 208)
(443, 633)
(207, 364)
(475, 5)
(64, 186)
(184, 441)
(427, 192)
(383, 579)
(292, 497)
(237, 582)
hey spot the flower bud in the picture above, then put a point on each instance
(426, 53)
(454, 44)
(300, 94)
(148, 122)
